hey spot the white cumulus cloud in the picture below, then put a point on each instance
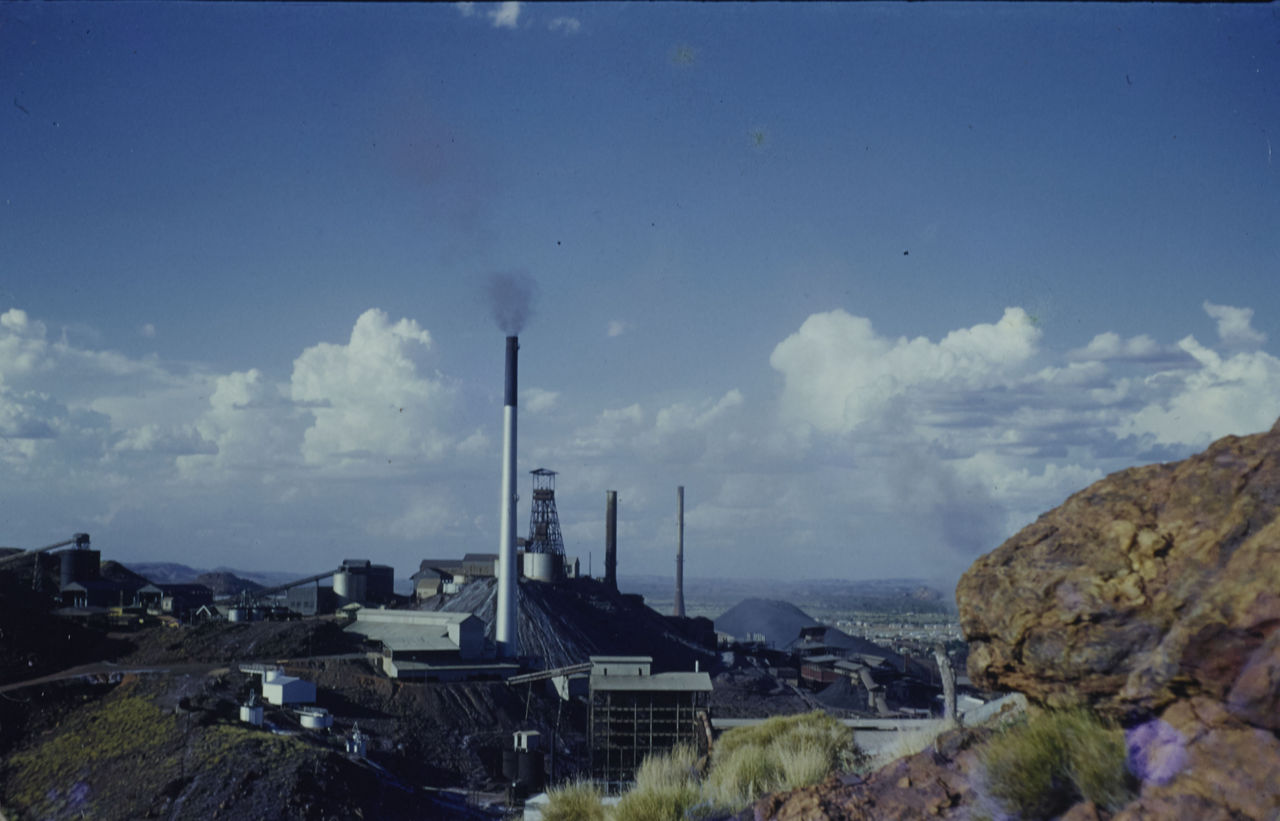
(1110, 345)
(370, 397)
(839, 374)
(1237, 394)
(506, 15)
(1234, 324)
(537, 400)
(568, 25)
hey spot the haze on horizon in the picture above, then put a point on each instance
(878, 284)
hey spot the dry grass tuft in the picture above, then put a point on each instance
(574, 801)
(1038, 768)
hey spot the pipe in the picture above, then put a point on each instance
(505, 630)
(611, 539)
(679, 604)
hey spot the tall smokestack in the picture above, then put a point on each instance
(679, 604)
(611, 539)
(505, 629)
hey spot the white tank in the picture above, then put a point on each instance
(251, 714)
(351, 585)
(316, 719)
(540, 566)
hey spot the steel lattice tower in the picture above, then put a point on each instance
(544, 522)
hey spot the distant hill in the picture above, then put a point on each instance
(778, 621)
(162, 572)
(175, 573)
(116, 572)
(227, 584)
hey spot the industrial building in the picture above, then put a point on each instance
(437, 576)
(429, 646)
(360, 581)
(177, 600)
(311, 599)
(279, 689)
(635, 713)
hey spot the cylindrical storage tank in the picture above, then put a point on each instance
(251, 714)
(351, 585)
(529, 775)
(540, 566)
(79, 566)
(237, 614)
(315, 720)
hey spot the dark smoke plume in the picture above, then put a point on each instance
(511, 298)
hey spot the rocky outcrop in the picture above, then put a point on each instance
(1154, 584)
(1153, 596)
(936, 783)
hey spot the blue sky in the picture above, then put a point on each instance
(876, 283)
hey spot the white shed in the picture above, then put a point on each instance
(280, 689)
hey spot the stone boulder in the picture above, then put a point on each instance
(1153, 585)
(1153, 596)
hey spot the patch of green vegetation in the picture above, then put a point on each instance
(221, 742)
(574, 801)
(666, 788)
(127, 727)
(782, 753)
(1039, 767)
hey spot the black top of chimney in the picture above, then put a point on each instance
(513, 345)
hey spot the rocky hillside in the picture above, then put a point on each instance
(1153, 597)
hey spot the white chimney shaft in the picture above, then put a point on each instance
(505, 630)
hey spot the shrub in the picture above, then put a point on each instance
(782, 753)
(677, 767)
(1040, 767)
(742, 776)
(574, 801)
(666, 803)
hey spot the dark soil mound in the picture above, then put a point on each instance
(779, 622)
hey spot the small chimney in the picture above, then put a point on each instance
(611, 539)
(679, 604)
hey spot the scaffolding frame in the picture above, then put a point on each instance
(627, 726)
(544, 521)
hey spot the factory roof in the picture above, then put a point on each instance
(418, 617)
(405, 637)
(658, 682)
(410, 630)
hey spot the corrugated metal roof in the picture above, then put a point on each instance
(676, 682)
(405, 638)
(425, 619)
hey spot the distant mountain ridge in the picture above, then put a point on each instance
(174, 573)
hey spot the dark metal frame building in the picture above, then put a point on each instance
(635, 713)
